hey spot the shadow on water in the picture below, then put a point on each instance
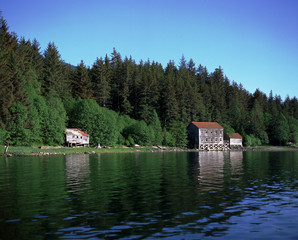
(195, 195)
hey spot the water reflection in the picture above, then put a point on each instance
(212, 169)
(236, 158)
(77, 172)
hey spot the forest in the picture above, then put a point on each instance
(121, 102)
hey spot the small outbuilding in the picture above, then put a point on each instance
(76, 138)
(235, 140)
(205, 135)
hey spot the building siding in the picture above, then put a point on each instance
(75, 137)
(205, 137)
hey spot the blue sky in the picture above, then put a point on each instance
(254, 41)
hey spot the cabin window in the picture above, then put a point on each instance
(73, 136)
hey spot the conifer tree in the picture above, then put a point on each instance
(82, 85)
(170, 106)
(100, 76)
(11, 80)
(280, 131)
(116, 79)
(124, 92)
(54, 80)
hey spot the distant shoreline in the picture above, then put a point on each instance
(46, 151)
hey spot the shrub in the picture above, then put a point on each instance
(168, 140)
(140, 133)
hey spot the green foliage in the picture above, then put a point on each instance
(293, 127)
(227, 129)
(4, 136)
(156, 126)
(251, 141)
(168, 140)
(82, 86)
(100, 123)
(255, 124)
(140, 133)
(54, 78)
(280, 132)
(130, 142)
(55, 124)
(101, 78)
(178, 132)
(18, 133)
(263, 136)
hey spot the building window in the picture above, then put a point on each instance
(206, 139)
(220, 139)
(215, 139)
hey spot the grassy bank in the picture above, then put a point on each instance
(33, 151)
(271, 148)
(20, 151)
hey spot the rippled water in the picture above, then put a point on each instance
(206, 195)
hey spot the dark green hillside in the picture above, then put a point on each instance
(121, 102)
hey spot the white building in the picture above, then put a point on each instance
(235, 140)
(205, 134)
(76, 137)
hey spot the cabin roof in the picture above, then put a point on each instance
(212, 125)
(76, 131)
(235, 135)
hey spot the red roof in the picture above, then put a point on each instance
(235, 135)
(213, 125)
(81, 132)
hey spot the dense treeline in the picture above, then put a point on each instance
(121, 102)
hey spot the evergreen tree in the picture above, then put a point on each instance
(155, 124)
(280, 131)
(11, 78)
(116, 79)
(100, 76)
(82, 85)
(124, 92)
(54, 80)
(19, 135)
(170, 106)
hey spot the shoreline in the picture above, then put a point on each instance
(47, 151)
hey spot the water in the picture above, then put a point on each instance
(206, 195)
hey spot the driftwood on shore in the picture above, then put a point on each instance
(6, 148)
